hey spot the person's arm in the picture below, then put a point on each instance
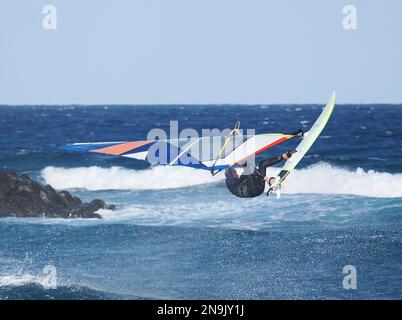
(298, 133)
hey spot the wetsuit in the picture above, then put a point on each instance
(251, 183)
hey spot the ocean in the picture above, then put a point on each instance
(178, 233)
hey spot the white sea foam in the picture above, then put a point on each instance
(16, 281)
(118, 178)
(321, 178)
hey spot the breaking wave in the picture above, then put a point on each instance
(29, 287)
(118, 178)
(321, 178)
(15, 281)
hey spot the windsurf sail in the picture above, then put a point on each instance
(207, 152)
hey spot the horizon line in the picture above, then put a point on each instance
(195, 104)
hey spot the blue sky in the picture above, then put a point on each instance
(200, 51)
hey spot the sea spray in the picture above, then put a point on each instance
(320, 178)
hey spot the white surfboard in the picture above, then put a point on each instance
(309, 138)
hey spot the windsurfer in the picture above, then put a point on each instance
(251, 183)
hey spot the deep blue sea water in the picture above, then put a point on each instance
(179, 234)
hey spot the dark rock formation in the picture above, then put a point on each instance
(20, 196)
